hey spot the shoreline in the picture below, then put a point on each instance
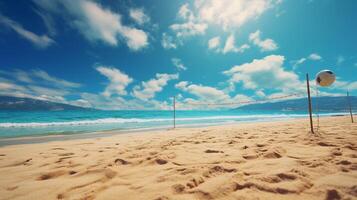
(107, 133)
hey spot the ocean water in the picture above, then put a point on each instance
(37, 123)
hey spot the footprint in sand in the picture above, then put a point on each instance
(162, 198)
(250, 156)
(344, 162)
(332, 195)
(178, 188)
(194, 182)
(213, 151)
(160, 161)
(51, 175)
(65, 154)
(120, 161)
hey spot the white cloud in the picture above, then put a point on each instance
(6, 86)
(139, 16)
(230, 46)
(178, 64)
(214, 42)
(48, 91)
(168, 42)
(81, 103)
(22, 76)
(231, 13)
(188, 29)
(148, 89)
(42, 41)
(36, 84)
(185, 13)
(265, 45)
(203, 92)
(118, 81)
(48, 21)
(345, 85)
(119, 103)
(207, 97)
(54, 81)
(314, 56)
(96, 23)
(298, 62)
(266, 73)
(225, 13)
(260, 93)
(340, 60)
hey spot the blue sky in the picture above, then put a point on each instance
(138, 54)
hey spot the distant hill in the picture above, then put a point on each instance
(324, 104)
(28, 104)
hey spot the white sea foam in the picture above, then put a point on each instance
(151, 120)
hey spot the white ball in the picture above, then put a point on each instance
(325, 78)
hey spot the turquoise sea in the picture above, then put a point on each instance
(36, 123)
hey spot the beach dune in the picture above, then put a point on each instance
(265, 160)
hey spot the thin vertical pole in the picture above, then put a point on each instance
(349, 104)
(309, 98)
(174, 111)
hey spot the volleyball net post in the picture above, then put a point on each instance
(349, 105)
(174, 109)
(309, 99)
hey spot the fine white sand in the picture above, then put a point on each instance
(267, 160)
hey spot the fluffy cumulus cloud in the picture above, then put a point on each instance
(148, 89)
(95, 22)
(188, 29)
(139, 16)
(178, 64)
(231, 14)
(265, 73)
(203, 92)
(40, 41)
(190, 26)
(207, 97)
(264, 44)
(118, 81)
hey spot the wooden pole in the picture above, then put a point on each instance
(174, 112)
(349, 104)
(309, 98)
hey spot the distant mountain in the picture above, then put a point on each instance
(323, 103)
(28, 104)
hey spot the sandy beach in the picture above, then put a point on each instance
(266, 160)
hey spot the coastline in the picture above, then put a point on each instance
(107, 133)
(265, 160)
